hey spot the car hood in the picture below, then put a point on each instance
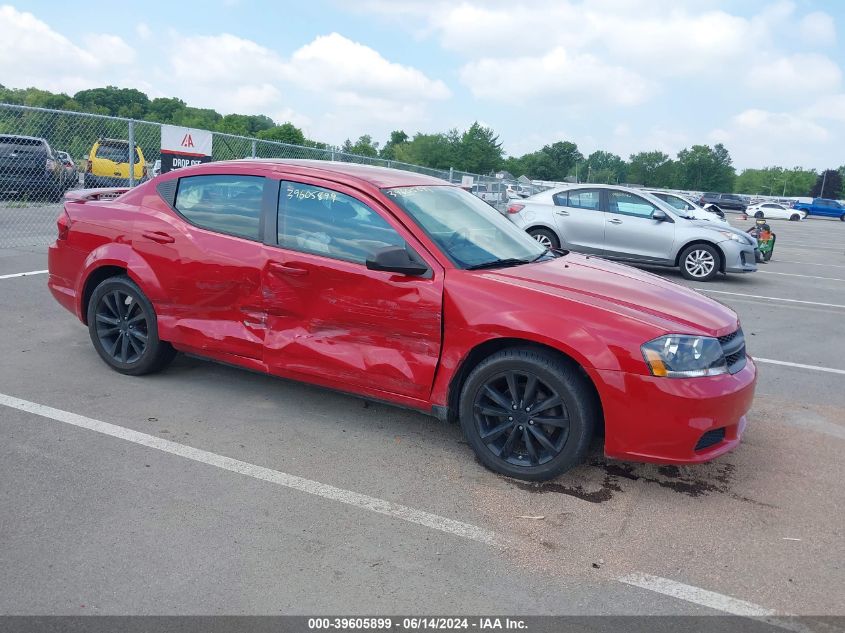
(724, 226)
(636, 294)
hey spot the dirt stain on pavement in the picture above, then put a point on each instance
(683, 480)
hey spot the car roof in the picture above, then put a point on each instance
(26, 138)
(381, 177)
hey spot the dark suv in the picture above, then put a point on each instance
(724, 201)
(29, 169)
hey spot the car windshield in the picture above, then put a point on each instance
(118, 153)
(471, 233)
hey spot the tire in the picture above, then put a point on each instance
(842, 217)
(699, 262)
(759, 214)
(516, 449)
(546, 237)
(794, 217)
(124, 330)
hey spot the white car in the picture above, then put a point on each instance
(775, 211)
(688, 207)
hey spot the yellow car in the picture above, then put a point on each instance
(108, 164)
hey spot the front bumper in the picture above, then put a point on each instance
(739, 258)
(664, 420)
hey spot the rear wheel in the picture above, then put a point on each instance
(546, 237)
(699, 262)
(759, 214)
(842, 217)
(527, 414)
(124, 330)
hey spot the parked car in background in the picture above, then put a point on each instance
(688, 207)
(822, 207)
(108, 164)
(157, 168)
(29, 169)
(632, 225)
(775, 211)
(397, 286)
(71, 171)
(724, 201)
(492, 193)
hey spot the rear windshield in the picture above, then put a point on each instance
(22, 145)
(116, 153)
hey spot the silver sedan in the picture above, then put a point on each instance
(631, 225)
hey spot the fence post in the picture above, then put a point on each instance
(451, 174)
(131, 153)
(253, 149)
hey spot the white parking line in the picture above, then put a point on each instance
(829, 370)
(31, 272)
(696, 595)
(365, 502)
(784, 261)
(742, 294)
(771, 272)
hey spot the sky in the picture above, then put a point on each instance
(762, 77)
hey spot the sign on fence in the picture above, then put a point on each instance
(184, 146)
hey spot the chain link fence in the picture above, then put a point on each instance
(44, 153)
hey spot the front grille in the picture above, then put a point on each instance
(711, 438)
(733, 347)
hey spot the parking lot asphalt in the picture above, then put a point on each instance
(99, 519)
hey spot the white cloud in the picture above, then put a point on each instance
(568, 79)
(759, 137)
(33, 54)
(143, 31)
(818, 27)
(797, 74)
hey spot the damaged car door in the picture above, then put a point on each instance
(333, 319)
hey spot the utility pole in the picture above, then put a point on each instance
(824, 180)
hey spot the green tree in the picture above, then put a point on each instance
(165, 110)
(430, 150)
(775, 181)
(828, 185)
(125, 102)
(364, 146)
(397, 137)
(651, 169)
(284, 133)
(703, 168)
(479, 150)
(244, 124)
(605, 167)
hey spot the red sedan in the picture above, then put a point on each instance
(399, 287)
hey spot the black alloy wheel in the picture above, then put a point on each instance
(527, 414)
(124, 330)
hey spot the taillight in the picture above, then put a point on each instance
(515, 208)
(88, 166)
(63, 225)
(51, 164)
(144, 172)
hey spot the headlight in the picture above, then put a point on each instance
(676, 356)
(731, 236)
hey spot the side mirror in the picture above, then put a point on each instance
(396, 259)
(659, 215)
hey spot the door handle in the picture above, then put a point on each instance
(159, 236)
(559, 212)
(615, 221)
(281, 269)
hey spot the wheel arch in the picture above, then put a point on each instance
(491, 346)
(108, 261)
(721, 253)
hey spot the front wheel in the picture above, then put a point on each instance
(842, 217)
(124, 330)
(794, 217)
(545, 237)
(527, 414)
(759, 214)
(699, 262)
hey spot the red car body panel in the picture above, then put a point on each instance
(399, 338)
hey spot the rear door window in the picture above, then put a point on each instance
(584, 199)
(224, 204)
